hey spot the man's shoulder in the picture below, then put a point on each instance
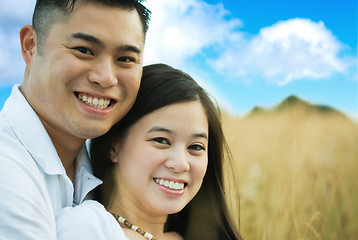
(13, 154)
(8, 139)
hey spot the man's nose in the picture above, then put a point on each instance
(104, 74)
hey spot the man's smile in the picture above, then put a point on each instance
(100, 103)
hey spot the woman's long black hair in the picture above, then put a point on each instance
(206, 217)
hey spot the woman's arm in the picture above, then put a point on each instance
(89, 220)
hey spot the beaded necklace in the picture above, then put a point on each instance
(133, 227)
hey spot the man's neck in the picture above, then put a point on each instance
(67, 149)
(68, 159)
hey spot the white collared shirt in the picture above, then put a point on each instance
(95, 223)
(34, 187)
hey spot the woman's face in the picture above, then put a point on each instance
(162, 161)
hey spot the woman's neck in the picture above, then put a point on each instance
(148, 222)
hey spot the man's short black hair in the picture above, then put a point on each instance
(48, 12)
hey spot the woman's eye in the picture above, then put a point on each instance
(196, 147)
(161, 140)
(84, 50)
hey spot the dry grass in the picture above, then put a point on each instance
(297, 175)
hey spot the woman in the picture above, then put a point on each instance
(162, 164)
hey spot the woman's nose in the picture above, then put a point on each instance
(178, 161)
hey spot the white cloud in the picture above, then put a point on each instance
(13, 14)
(181, 29)
(11, 63)
(286, 51)
(17, 9)
(224, 103)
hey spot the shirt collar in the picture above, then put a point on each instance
(85, 180)
(31, 133)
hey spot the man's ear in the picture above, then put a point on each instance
(28, 41)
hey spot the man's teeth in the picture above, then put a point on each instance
(95, 102)
(170, 184)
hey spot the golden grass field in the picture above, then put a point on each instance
(296, 172)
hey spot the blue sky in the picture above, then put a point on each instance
(246, 53)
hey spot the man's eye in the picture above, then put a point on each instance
(196, 147)
(161, 140)
(84, 50)
(126, 59)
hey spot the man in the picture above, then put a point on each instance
(83, 69)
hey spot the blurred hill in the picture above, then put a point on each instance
(294, 104)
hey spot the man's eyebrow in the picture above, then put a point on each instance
(88, 38)
(92, 39)
(130, 48)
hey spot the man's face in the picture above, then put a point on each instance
(87, 73)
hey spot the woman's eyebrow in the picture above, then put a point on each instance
(200, 135)
(160, 129)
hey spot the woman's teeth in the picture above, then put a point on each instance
(95, 102)
(170, 184)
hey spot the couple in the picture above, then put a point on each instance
(83, 70)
